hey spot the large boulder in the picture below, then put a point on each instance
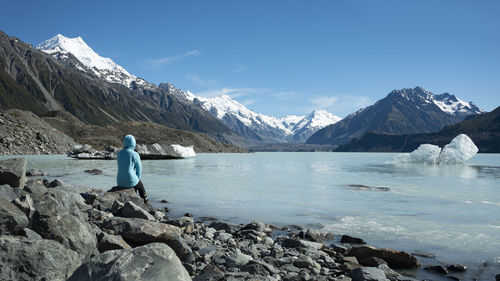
(123, 195)
(35, 259)
(13, 172)
(12, 219)
(109, 242)
(131, 210)
(394, 258)
(141, 232)
(368, 274)
(59, 216)
(154, 261)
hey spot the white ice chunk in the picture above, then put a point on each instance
(184, 151)
(459, 150)
(425, 153)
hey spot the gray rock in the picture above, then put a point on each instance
(185, 223)
(372, 261)
(93, 172)
(228, 227)
(159, 216)
(394, 258)
(25, 204)
(154, 261)
(30, 234)
(255, 268)
(35, 259)
(368, 274)
(351, 240)
(299, 243)
(140, 232)
(13, 172)
(8, 192)
(237, 259)
(304, 261)
(106, 201)
(210, 273)
(109, 242)
(457, 267)
(58, 216)
(389, 273)
(35, 173)
(56, 183)
(131, 210)
(12, 219)
(35, 187)
(117, 207)
(437, 269)
(255, 225)
(96, 215)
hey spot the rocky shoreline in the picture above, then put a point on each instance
(50, 233)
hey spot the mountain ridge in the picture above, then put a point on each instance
(255, 126)
(483, 129)
(400, 112)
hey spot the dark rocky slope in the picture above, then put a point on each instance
(406, 111)
(144, 132)
(483, 129)
(22, 132)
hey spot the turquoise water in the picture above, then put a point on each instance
(451, 211)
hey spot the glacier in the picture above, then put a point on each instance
(458, 151)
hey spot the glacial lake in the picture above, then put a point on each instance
(451, 211)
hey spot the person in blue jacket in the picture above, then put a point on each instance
(130, 167)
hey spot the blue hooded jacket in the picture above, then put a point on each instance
(129, 164)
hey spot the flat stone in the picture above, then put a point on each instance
(304, 261)
(237, 259)
(107, 242)
(228, 227)
(351, 240)
(93, 172)
(394, 258)
(457, 267)
(13, 172)
(141, 232)
(210, 273)
(131, 210)
(368, 274)
(155, 261)
(437, 269)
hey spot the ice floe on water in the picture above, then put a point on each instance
(459, 150)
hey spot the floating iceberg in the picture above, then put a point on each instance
(184, 151)
(459, 150)
(164, 151)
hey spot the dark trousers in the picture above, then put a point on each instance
(139, 187)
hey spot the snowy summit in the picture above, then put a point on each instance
(60, 46)
(235, 115)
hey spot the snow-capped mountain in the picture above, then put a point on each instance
(60, 47)
(406, 111)
(257, 126)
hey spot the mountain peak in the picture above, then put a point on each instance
(100, 66)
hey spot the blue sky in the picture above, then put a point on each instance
(285, 57)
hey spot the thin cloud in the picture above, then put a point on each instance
(170, 59)
(283, 95)
(200, 81)
(240, 69)
(232, 92)
(340, 105)
(248, 102)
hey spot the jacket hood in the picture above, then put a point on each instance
(129, 141)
